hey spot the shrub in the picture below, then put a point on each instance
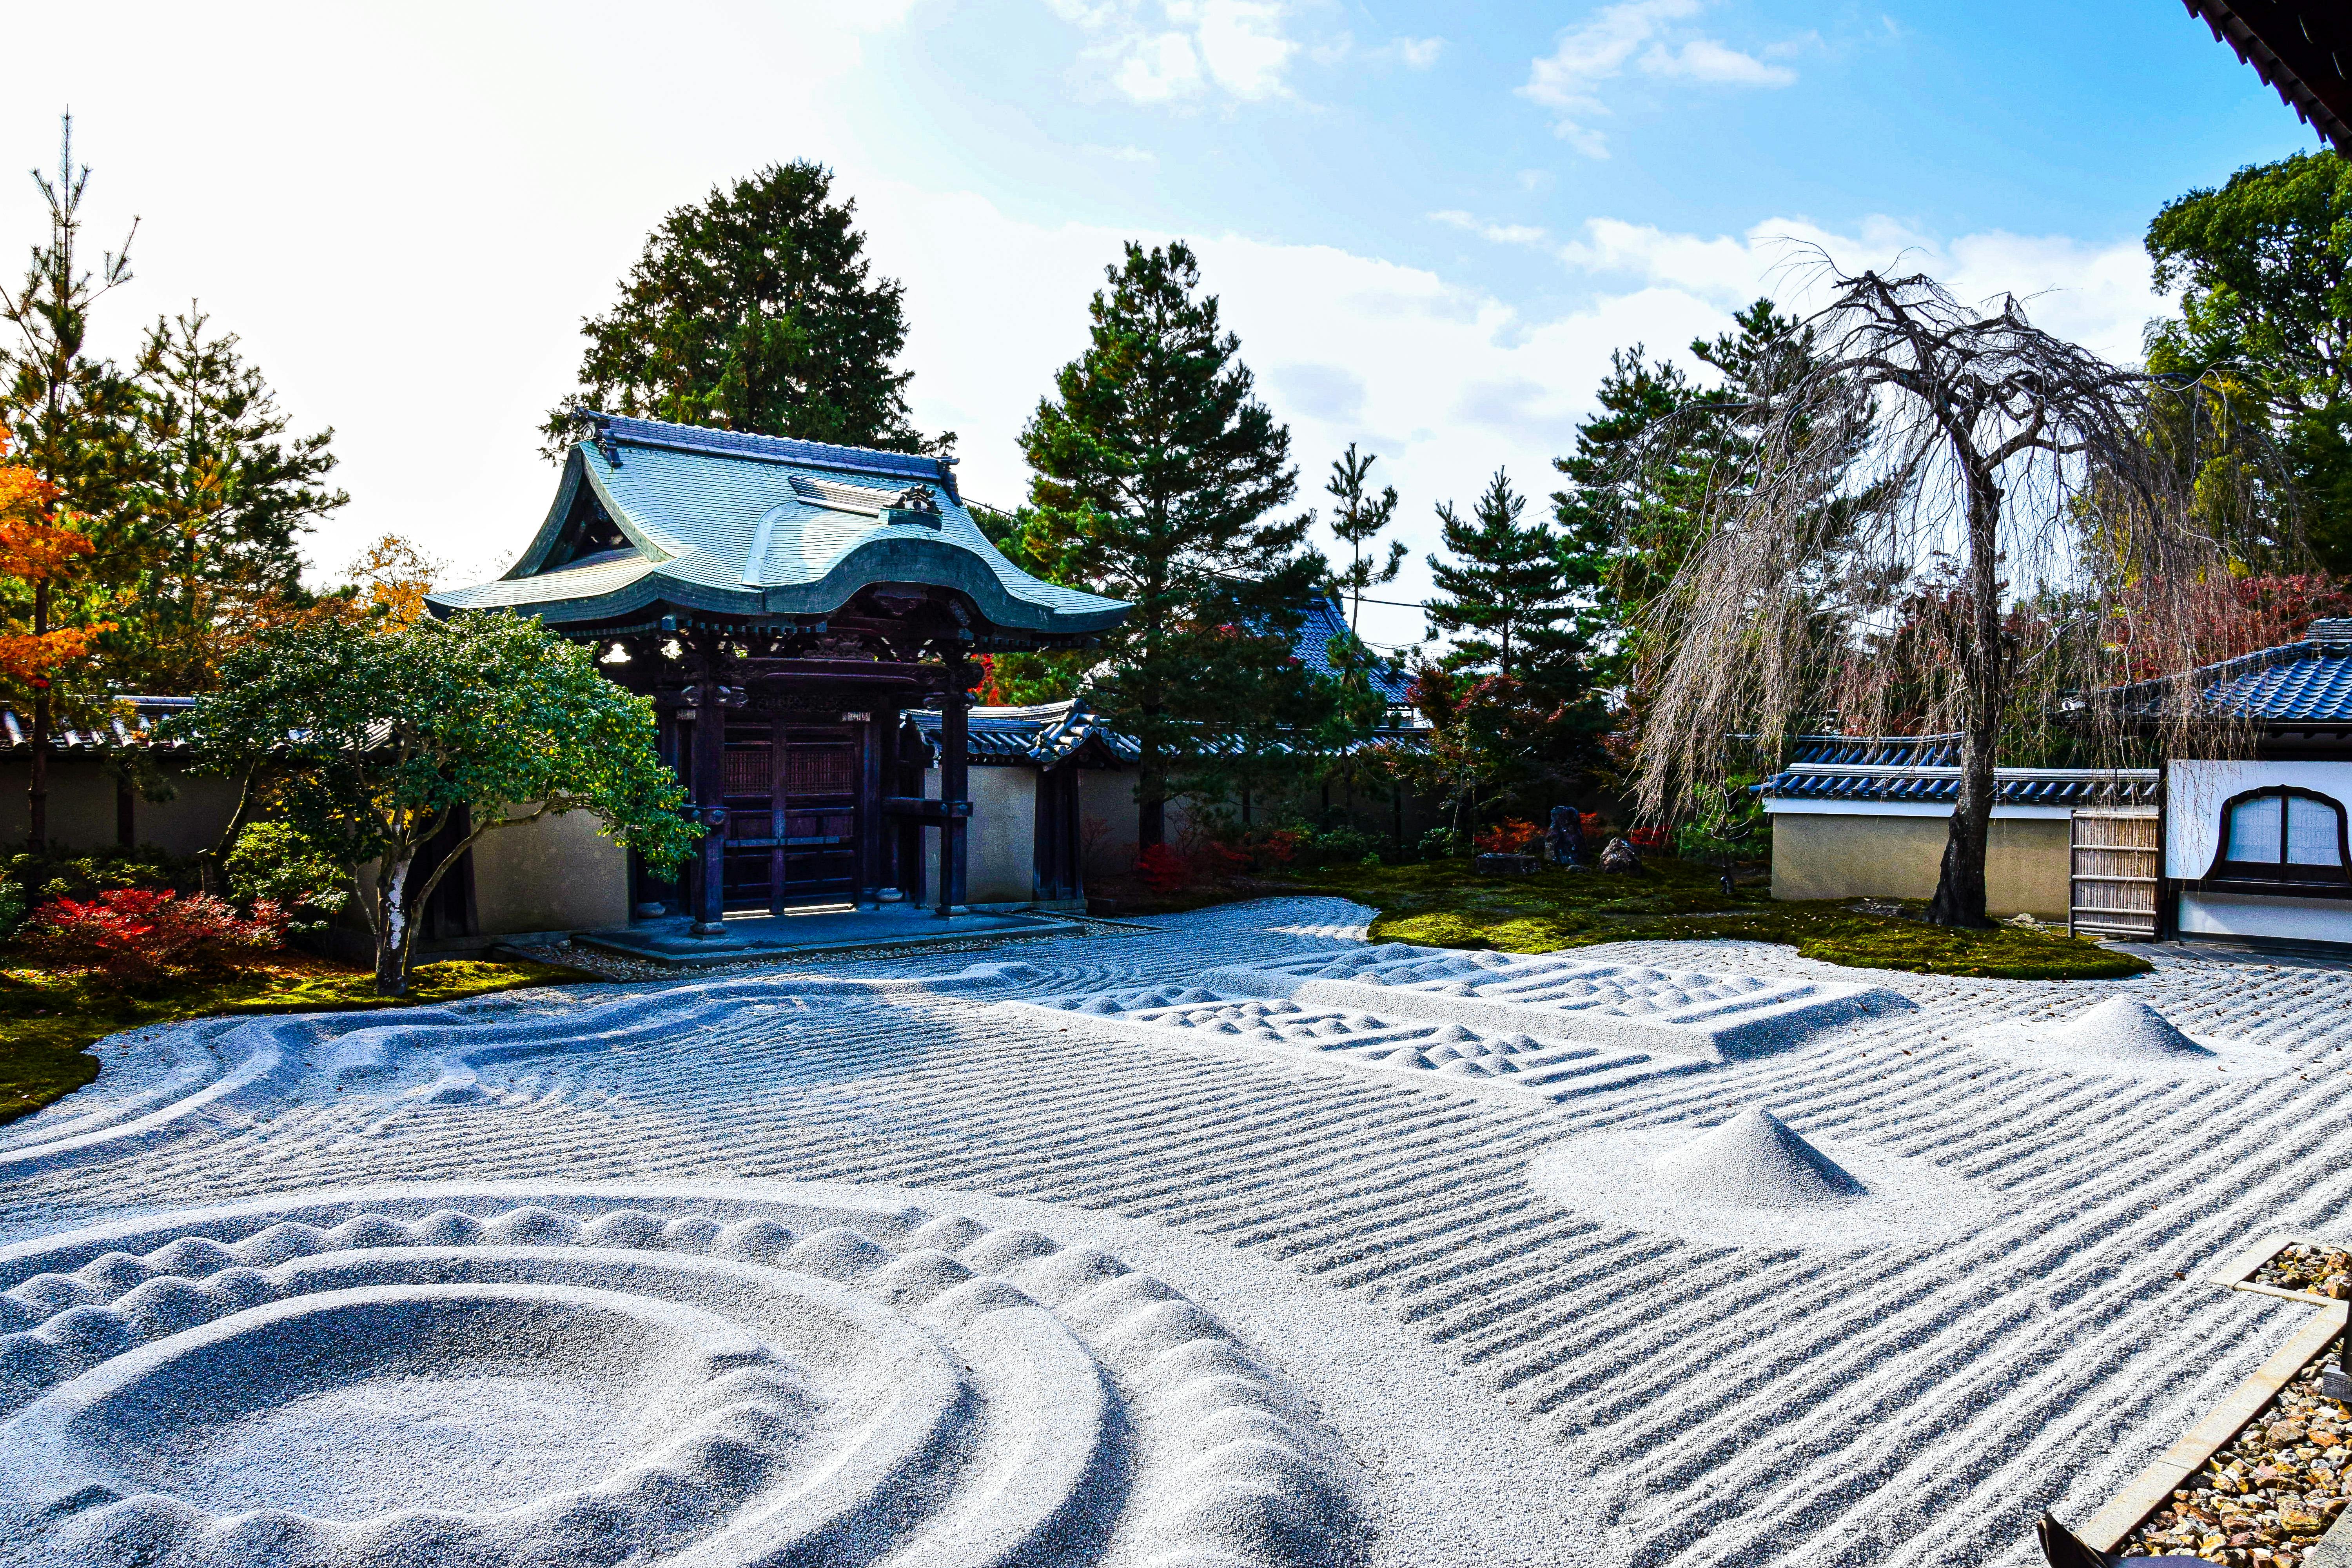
(137, 936)
(1444, 844)
(1513, 837)
(1163, 870)
(85, 875)
(272, 860)
(1646, 840)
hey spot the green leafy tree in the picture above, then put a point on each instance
(1359, 521)
(379, 740)
(1157, 475)
(2264, 270)
(225, 496)
(756, 310)
(69, 415)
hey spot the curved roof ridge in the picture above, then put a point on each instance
(629, 430)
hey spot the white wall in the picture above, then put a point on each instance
(2194, 793)
(999, 863)
(559, 873)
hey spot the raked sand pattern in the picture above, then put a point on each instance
(1462, 1318)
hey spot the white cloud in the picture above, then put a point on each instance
(2097, 295)
(1703, 59)
(1500, 233)
(1419, 53)
(1164, 51)
(1646, 33)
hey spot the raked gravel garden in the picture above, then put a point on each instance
(1236, 1238)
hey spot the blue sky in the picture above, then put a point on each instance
(1429, 223)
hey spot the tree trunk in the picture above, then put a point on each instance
(391, 930)
(1960, 898)
(37, 795)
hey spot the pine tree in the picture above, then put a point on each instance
(755, 311)
(1158, 471)
(225, 497)
(1505, 586)
(1360, 519)
(70, 417)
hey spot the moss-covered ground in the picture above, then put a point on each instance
(49, 1018)
(1445, 903)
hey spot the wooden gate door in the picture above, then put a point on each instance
(2117, 867)
(817, 860)
(791, 814)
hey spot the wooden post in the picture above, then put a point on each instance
(876, 831)
(910, 750)
(779, 861)
(869, 810)
(955, 784)
(710, 797)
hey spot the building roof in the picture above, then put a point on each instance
(1325, 619)
(2301, 48)
(2309, 681)
(1053, 732)
(651, 519)
(1923, 770)
(132, 724)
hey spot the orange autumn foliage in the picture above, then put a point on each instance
(34, 547)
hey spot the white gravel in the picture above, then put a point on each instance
(1456, 1325)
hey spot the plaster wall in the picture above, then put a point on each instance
(560, 873)
(1827, 856)
(81, 806)
(2194, 793)
(1106, 821)
(1000, 845)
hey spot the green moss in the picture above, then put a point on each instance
(49, 1018)
(1445, 904)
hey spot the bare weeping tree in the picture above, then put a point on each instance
(1942, 515)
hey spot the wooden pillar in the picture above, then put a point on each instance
(779, 856)
(710, 797)
(871, 763)
(876, 831)
(955, 784)
(910, 750)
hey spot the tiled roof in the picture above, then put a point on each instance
(134, 728)
(1923, 770)
(748, 526)
(1052, 731)
(2308, 680)
(1044, 734)
(779, 448)
(1325, 620)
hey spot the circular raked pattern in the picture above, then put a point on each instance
(580, 1377)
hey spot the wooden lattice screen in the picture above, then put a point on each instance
(2115, 874)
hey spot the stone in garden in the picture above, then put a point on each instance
(1619, 857)
(1565, 837)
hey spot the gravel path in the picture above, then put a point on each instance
(1523, 1378)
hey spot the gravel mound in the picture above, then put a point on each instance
(1757, 1159)
(2124, 1030)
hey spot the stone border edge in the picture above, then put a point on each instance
(2124, 1512)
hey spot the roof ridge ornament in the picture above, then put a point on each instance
(601, 431)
